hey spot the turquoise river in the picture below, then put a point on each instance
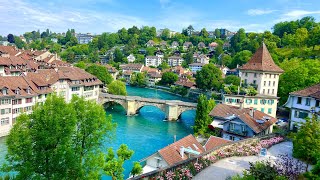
(144, 133)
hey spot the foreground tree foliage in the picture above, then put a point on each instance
(114, 165)
(59, 140)
(306, 143)
(168, 78)
(203, 119)
(138, 79)
(117, 88)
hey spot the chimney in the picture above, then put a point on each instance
(251, 112)
(182, 151)
(241, 104)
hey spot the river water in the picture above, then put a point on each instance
(144, 133)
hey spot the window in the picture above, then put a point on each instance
(245, 81)
(264, 83)
(231, 138)
(243, 128)
(28, 91)
(307, 101)
(61, 81)
(299, 100)
(17, 91)
(263, 91)
(254, 81)
(268, 91)
(28, 100)
(274, 75)
(317, 103)
(256, 101)
(17, 110)
(303, 115)
(263, 101)
(269, 110)
(272, 91)
(296, 114)
(274, 83)
(5, 101)
(269, 75)
(4, 121)
(269, 83)
(262, 110)
(16, 101)
(231, 126)
(4, 91)
(75, 88)
(255, 74)
(6, 111)
(246, 74)
(248, 101)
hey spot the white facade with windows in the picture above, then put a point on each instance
(153, 61)
(303, 104)
(175, 61)
(194, 67)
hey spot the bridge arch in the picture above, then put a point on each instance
(140, 105)
(184, 109)
(122, 103)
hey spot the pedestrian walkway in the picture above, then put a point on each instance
(235, 165)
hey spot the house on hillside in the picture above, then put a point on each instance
(187, 45)
(175, 61)
(194, 67)
(174, 45)
(239, 123)
(150, 43)
(131, 58)
(212, 46)
(153, 61)
(303, 104)
(201, 45)
(176, 152)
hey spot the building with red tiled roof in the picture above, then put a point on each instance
(239, 123)
(6, 51)
(214, 142)
(174, 153)
(263, 74)
(303, 104)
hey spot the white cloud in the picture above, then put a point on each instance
(300, 13)
(257, 12)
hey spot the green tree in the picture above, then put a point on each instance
(138, 79)
(117, 87)
(188, 58)
(203, 119)
(217, 33)
(314, 37)
(118, 56)
(81, 65)
(136, 169)
(309, 74)
(36, 151)
(100, 72)
(204, 33)
(226, 60)
(301, 37)
(19, 43)
(55, 48)
(163, 65)
(306, 143)
(209, 77)
(168, 78)
(232, 79)
(114, 165)
(165, 35)
(190, 30)
(241, 58)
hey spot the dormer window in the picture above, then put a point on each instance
(17, 91)
(28, 91)
(4, 91)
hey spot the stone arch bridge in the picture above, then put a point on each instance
(132, 104)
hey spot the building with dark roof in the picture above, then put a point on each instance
(303, 104)
(240, 123)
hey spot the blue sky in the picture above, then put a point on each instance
(96, 16)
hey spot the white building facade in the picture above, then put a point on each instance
(153, 61)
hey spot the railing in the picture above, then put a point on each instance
(152, 174)
(151, 100)
(237, 132)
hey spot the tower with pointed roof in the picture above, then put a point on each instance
(262, 73)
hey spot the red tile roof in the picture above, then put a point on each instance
(214, 142)
(224, 111)
(312, 91)
(262, 61)
(171, 153)
(11, 50)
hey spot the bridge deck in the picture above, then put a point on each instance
(150, 100)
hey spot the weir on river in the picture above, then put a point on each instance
(146, 132)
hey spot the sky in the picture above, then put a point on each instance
(97, 16)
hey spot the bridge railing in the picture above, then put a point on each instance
(151, 100)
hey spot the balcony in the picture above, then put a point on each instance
(237, 132)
